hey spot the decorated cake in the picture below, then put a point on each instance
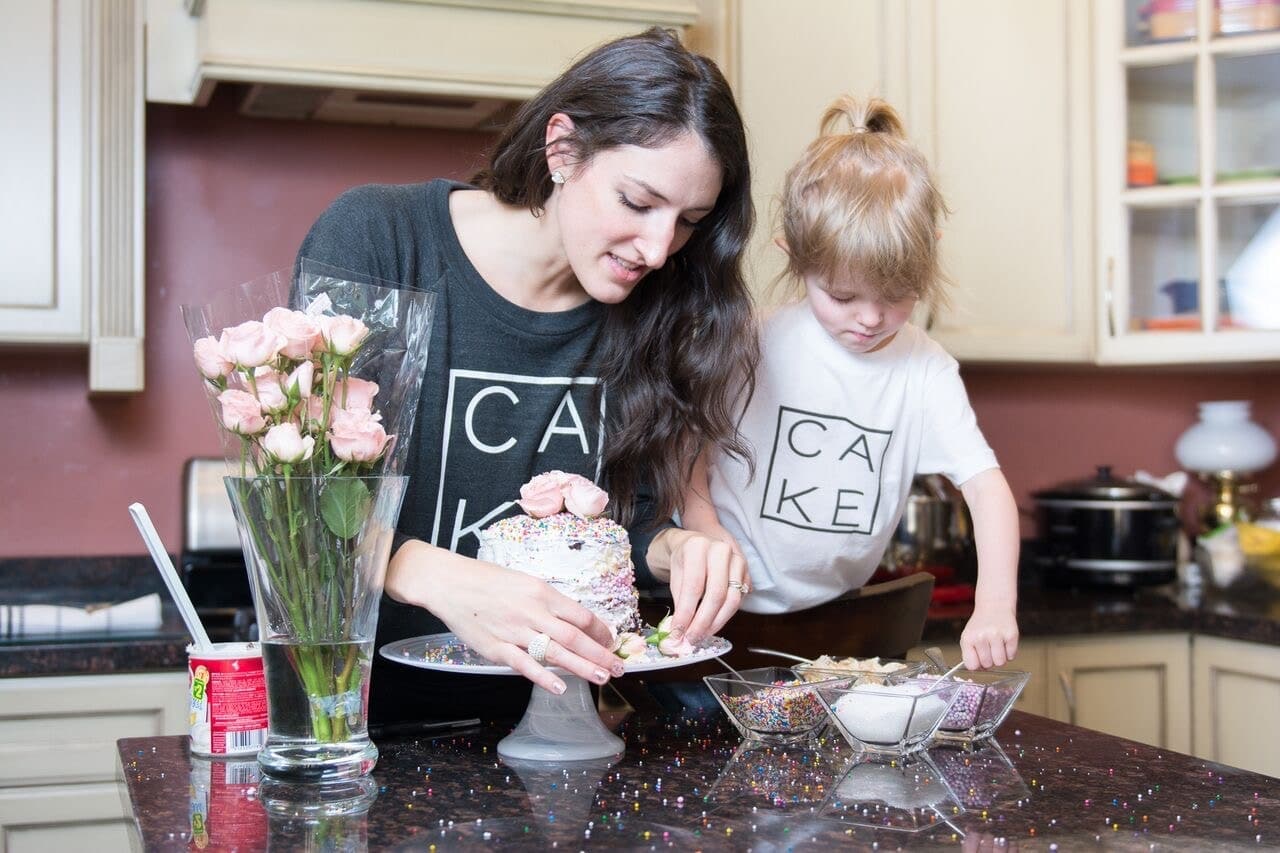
(564, 541)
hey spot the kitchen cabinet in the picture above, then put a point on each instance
(1188, 182)
(71, 223)
(996, 95)
(1133, 686)
(1237, 703)
(58, 777)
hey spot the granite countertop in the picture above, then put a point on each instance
(693, 784)
(1249, 613)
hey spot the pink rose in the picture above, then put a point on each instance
(286, 443)
(270, 386)
(356, 394)
(673, 648)
(300, 331)
(210, 361)
(356, 436)
(343, 334)
(584, 498)
(241, 412)
(541, 496)
(251, 344)
(300, 380)
(629, 645)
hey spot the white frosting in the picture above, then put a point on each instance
(588, 561)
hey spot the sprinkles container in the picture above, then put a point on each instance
(228, 710)
(772, 703)
(984, 700)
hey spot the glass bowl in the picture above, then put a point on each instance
(771, 704)
(895, 718)
(985, 698)
(860, 669)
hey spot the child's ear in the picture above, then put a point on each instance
(781, 243)
(559, 126)
(937, 233)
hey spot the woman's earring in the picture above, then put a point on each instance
(557, 177)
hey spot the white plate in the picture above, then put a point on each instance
(445, 652)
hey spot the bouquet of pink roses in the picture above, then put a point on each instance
(314, 381)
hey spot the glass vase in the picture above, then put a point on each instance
(317, 551)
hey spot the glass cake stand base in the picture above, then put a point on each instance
(554, 728)
(561, 728)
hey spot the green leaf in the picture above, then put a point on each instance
(343, 506)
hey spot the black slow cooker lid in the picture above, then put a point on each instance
(1105, 487)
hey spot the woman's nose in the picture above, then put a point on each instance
(655, 244)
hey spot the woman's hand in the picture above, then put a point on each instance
(990, 638)
(707, 575)
(497, 612)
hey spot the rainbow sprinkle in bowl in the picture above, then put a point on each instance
(771, 704)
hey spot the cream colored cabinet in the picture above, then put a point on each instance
(1237, 703)
(1032, 657)
(997, 95)
(1132, 686)
(72, 171)
(58, 786)
(1188, 182)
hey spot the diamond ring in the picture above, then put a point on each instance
(538, 647)
(741, 586)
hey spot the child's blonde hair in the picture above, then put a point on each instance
(863, 199)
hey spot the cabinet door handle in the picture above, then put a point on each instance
(1110, 297)
(1069, 695)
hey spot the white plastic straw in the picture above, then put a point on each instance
(170, 575)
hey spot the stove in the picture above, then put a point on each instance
(211, 562)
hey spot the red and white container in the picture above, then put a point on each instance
(228, 712)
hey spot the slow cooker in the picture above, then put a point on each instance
(1107, 531)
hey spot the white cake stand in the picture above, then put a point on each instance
(554, 728)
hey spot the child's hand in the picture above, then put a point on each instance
(991, 637)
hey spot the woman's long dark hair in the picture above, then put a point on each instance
(678, 356)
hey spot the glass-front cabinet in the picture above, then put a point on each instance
(1188, 171)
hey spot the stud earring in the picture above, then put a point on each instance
(557, 177)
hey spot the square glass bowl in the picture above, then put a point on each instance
(896, 718)
(985, 698)
(771, 704)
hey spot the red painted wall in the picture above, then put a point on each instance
(229, 199)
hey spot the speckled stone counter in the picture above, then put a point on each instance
(80, 581)
(691, 784)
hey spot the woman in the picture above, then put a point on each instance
(590, 312)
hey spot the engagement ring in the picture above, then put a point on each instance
(741, 586)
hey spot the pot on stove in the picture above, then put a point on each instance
(1108, 531)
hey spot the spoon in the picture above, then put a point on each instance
(934, 654)
(776, 653)
(725, 664)
(950, 672)
(170, 576)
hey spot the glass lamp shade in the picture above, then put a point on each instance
(1225, 439)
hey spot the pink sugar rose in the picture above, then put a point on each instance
(542, 496)
(300, 331)
(270, 386)
(673, 648)
(286, 443)
(210, 360)
(356, 394)
(251, 344)
(629, 645)
(356, 436)
(343, 334)
(241, 412)
(584, 498)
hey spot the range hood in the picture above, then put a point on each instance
(461, 64)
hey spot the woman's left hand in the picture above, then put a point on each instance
(991, 637)
(708, 578)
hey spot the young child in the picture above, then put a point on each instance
(852, 401)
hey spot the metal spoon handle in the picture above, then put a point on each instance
(777, 653)
(950, 672)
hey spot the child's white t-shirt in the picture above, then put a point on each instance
(838, 437)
